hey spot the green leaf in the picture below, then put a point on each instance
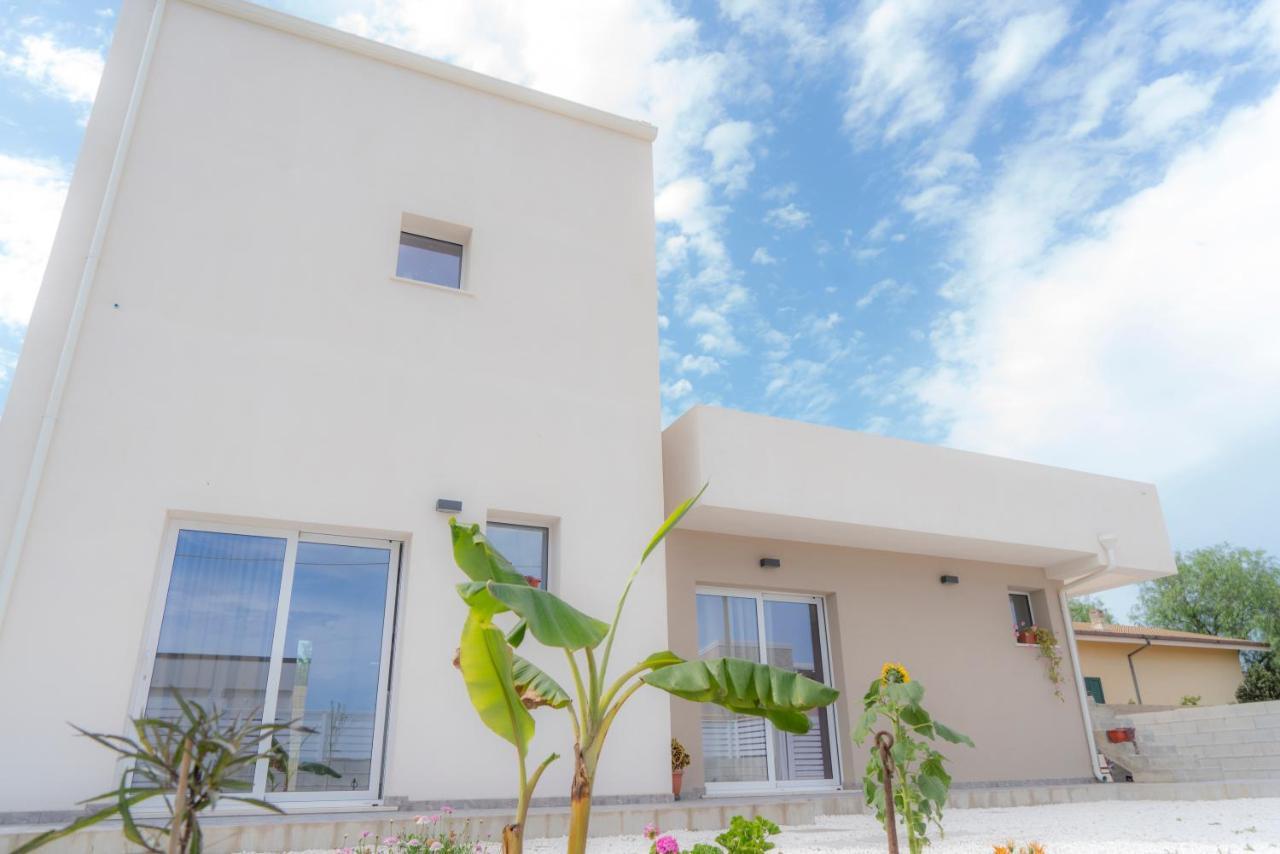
(86, 821)
(672, 521)
(946, 733)
(864, 725)
(479, 560)
(536, 688)
(485, 661)
(932, 788)
(478, 598)
(553, 621)
(747, 688)
(658, 660)
(515, 637)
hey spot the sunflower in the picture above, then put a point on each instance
(893, 673)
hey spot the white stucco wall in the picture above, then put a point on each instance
(246, 354)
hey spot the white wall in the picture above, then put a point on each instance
(263, 365)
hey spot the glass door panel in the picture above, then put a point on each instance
(329, 674)
(735, 747)
(794, 634)
(741, 752)
(219, 619)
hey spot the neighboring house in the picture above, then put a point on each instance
(1159, 667)
(306, 287)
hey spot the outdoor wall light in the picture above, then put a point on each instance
(770, 563)
(950, 579)
(448, 505)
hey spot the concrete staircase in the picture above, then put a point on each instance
(1199, 743)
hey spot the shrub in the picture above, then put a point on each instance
(1261, 680)
(1190, 700)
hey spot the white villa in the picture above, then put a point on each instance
(307, 289)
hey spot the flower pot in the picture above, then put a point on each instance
(1121, 734)
(677, 780)
(534, 581)
(1027, 636)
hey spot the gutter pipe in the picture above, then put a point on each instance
(53, 406)
(1108, 543)
(1133, 673)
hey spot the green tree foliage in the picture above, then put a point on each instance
(1261, 680)
(1220, 590)
(1082, 607)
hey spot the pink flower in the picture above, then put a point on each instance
(390, 840)
(667, 845)
(420, 819)
(347, 851)
(650, 831)
(446, 809)
(435, 845)
(366, 834)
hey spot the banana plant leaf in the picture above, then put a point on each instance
(748, 688)
(553, 621)
(479, 560)
(535, 687)
(487, 669)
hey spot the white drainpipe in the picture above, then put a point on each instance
(1108, 543)
(31, 488)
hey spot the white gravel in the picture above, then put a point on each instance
(1116, 827)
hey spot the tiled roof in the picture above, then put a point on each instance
(1158, 634)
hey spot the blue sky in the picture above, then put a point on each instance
(1043, 230)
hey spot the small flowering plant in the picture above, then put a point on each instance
(665, 845)
(900, 728)
(1012, 847)
(431, 839)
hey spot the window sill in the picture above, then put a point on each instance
(434, 287)
(1027, 645)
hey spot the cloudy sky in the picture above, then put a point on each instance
(1047, 230)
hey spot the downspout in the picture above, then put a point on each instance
(48, 422)
(1133, 673)
(1108, 543)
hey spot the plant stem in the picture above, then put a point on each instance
(579, 804)
(177, 835)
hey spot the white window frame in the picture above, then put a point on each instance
(436, 229)
(772, 784)
(508, 522)
(292, 537)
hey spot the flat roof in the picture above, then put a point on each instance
(425, 65)
(1157, 635)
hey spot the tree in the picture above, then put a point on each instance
(1220, 590)
(1082, 608)
(1261, 680)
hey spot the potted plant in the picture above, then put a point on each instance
(680, 760)
(1026, 635)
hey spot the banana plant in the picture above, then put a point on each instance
(503, 687)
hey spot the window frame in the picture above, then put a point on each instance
(529, 526)
(1031, 610)
(445, 232)
(292, 537)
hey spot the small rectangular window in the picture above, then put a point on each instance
(1020, 607)
(526, 546)
(428, 260)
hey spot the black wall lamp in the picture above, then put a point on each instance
(770, 563)
(448, 505)
(950, 579)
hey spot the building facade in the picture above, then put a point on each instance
(306, 290)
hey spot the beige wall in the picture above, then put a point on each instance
(956, 639)
(1166, 674)
(246, 355)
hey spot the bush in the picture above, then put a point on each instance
(1261, 680)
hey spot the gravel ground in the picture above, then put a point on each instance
(1132, 827)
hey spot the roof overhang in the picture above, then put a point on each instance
(788, 480)
(1085, 636)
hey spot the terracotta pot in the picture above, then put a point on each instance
(677, 780)
(1027, 636)
(534, 581)
(1121, 734)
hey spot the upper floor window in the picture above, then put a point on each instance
(526, 546)
(428, 260)
(1020, 607)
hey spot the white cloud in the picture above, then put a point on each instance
(789, 216)
(700, 365)
(821, 325)
(887, 290)
(877, 232)
(762, 257)
(780, 192)
(1144, 347)
(1020, 47)
(70, 73)
(1163, 104)
(31, 196)
(800, 24)
(677, 389)
(729, 144)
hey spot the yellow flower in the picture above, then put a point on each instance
(893, 672)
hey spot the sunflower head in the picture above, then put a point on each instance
(893, 674)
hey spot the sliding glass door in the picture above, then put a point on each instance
(282, 626)
(745, 753)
